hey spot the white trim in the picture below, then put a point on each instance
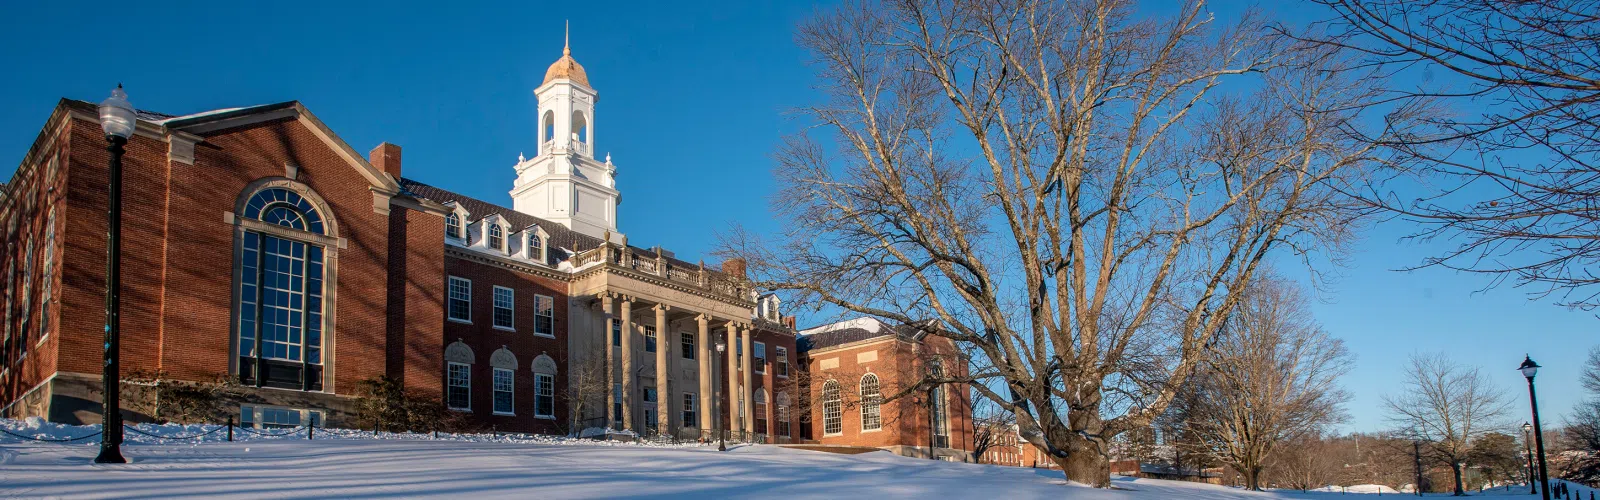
(536, 299)
(552, 414)
(494, 391)
(449, 282)
(494, 309)
(448, 387)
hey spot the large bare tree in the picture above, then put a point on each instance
(1075, 189)
(1272, 377)
(1512, 178)
(1447, 407)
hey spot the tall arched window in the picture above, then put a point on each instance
(497, 237)
(782, 413)
(452, 226)
(759, 407)
(549, 126)
(871, 403)
(580, 127)
(939, 410)
(281, 292)
(832, 417)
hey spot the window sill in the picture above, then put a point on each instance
(545, 417)
(833, 435)
(506, 328)
(503, 414)
(462, 321)
(545, 335)
(462, 410)
(869, 431)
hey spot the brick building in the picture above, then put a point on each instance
(869, 387)
(259, 246)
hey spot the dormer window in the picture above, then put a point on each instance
(497, 237)
(452, 226)
(535, 246)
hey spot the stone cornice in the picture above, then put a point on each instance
(543, 272)
(661, 282)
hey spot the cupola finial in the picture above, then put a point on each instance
(566, 43)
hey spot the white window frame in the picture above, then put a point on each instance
(686, 344)
(782, 354)
(457, 231)
(648, 332)
(540, 312)
(255, 412)
(871, 404)
(510, 308)
(541, 383)
(450, 290)
(758, 362)
(832, 409)
(449, 384)
(538, 256)
(511, 392)
(489, 236)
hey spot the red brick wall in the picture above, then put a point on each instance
(899, 365)
(32, 193)
(484, 340)
(771, 382)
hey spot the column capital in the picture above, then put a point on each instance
(660, 308)
(703, 318)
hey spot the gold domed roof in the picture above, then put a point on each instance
(567, 67)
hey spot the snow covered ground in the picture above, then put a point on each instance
(354, 464)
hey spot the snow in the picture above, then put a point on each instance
(348, 463)
(200, 114)
(865, 323)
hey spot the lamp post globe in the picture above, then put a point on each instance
(1529, 369)
(117, 119)
(722, 445)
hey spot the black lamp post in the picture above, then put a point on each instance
(1529, 369)
(118, 119)
(722, 445)
(1527, 446)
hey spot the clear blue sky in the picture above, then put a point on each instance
(692, 101)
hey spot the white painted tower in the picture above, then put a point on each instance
(564, 183)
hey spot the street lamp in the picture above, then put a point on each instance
(1529, 369)
(716, 416)
(118, 119)
(1527, 445)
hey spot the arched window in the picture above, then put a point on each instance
(939, 410)
(783, 414)
(871, 403)
(544, 387)
(580, 127)
(832, 417)
(281, 293)
(759, 408)
(452, 226)
(535, 246)
(549, 126)
(458, 361)
(497, 237)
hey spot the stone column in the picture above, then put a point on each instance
(733, 378)
(702, 341)
(627, 364)
(663, 407)
(749, 390)
(610, 359)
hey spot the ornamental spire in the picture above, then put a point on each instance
(566, 43)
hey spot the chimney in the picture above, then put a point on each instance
(387, 158)
(733, 266)
(789, 322)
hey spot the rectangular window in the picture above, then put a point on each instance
(616, 333)
(783, 417)
(649, 397)
(49, 272)
(687, 340)
(759, 364)
(544, 395)
(783, 361)
(616, 405)
(690, 418)
(505, 316)
(544, 316)
(649, 339)
(504, 385)
(460, 387)
(460, 307)
(275, 417)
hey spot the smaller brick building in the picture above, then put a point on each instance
(870, 385)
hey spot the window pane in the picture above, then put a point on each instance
(504, 384)
(504, 315)
(544, 395)
(460, 299)
(544, 320)
(460, 386)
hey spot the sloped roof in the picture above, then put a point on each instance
(842, 336)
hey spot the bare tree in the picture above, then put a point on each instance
(1582, 432)
(1513, 179)
(1306, 463)
(1272, 377)
(1447, 407)
(991, 426)
(1064, 187)
(586, 392)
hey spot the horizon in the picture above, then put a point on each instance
(692, 108)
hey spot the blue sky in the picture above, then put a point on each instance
(693, 99)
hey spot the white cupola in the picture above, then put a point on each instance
(564, 183)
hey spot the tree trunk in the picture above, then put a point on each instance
(1455, 467)
(1086, 461)
(1252, 479)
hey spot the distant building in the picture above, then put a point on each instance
(855, 366)
(1135, 468)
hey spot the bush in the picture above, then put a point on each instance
(383, 402)
(168, 400)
